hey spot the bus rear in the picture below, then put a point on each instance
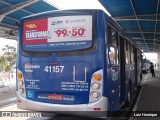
(60, 66)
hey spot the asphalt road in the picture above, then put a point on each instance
(7, 95)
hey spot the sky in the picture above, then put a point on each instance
(153, 57)
(4, 42)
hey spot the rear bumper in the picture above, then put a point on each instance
(78, 109)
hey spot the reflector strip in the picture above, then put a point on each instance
(19, 101)
(97, 109)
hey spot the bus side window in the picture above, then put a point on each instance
(112, 55)
(112, 46)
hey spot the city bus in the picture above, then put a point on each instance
(75, 60)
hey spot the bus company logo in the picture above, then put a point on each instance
(29, 66)
(31, 26)
(57, 22)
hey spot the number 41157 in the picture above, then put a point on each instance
(54, 69)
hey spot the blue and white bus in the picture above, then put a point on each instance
(75, 60)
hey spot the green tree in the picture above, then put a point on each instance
(2, 63)
(8, 59)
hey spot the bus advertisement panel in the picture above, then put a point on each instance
(58, 33)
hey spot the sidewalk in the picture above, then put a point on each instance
(149, 97)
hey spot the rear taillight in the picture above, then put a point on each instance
(96, 86)
(95, 94)
(21, 91)
(20, 83)
(96, 77)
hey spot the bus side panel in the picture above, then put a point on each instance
(113, 71)
(107, 81)
(102, 31)
(102, 39)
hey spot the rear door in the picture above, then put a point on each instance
(114, 69)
